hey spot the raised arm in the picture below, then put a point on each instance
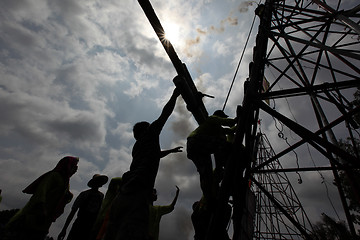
(176, 196)
(168, 108)
(173, 150)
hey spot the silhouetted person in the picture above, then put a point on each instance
(130, 210)
(156, 212)
(102, 220)
(88, 203)
(210, 138)
(201, 217)
(5, 216)
(50, 194)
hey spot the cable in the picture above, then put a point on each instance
(237, 69)
(282, 136)
(323, 181)
(287, 102)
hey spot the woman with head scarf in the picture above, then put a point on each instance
(50, 193)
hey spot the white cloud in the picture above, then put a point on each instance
(124, 131)
(221, 48)
(118, 162)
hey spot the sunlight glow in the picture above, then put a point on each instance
(172, 32)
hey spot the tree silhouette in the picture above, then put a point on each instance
(329, 229)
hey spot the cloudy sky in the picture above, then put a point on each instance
(77, 75)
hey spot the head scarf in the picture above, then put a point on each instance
(64, 167)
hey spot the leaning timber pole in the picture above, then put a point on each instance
(185, 84)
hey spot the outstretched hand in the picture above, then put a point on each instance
(167, 152)
(177, 149)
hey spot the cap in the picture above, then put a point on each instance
(220, 113)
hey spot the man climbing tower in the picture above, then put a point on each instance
(210, 138)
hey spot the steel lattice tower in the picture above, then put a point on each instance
(307, 53)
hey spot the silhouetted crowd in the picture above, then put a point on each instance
(127, 212)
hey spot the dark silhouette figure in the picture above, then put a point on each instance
(129, 213)
(201, 217)
(5, 216)
(102, 220)
(88, 203)
(156, 212)
(210, 138)
(50, 194)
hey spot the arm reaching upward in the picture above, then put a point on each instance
(168, 108)
(176, 196)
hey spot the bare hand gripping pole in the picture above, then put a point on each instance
(184, 82)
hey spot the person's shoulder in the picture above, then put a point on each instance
(116, 179)
(84, 193)
(154, 123)
(163, 207)
(53, 176)
(96, 193)
(214, 118)
(217, 119)
(101, 194)
(155, 127)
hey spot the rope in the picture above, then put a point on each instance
(323, 182)
(237, 69)
(282, 136)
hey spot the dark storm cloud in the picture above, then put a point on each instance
(80, 127)
(17, 35)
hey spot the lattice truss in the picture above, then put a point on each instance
(311, 45)
(270, 222)
(312, 67)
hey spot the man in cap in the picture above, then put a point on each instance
(210, 138)
(88, 203)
